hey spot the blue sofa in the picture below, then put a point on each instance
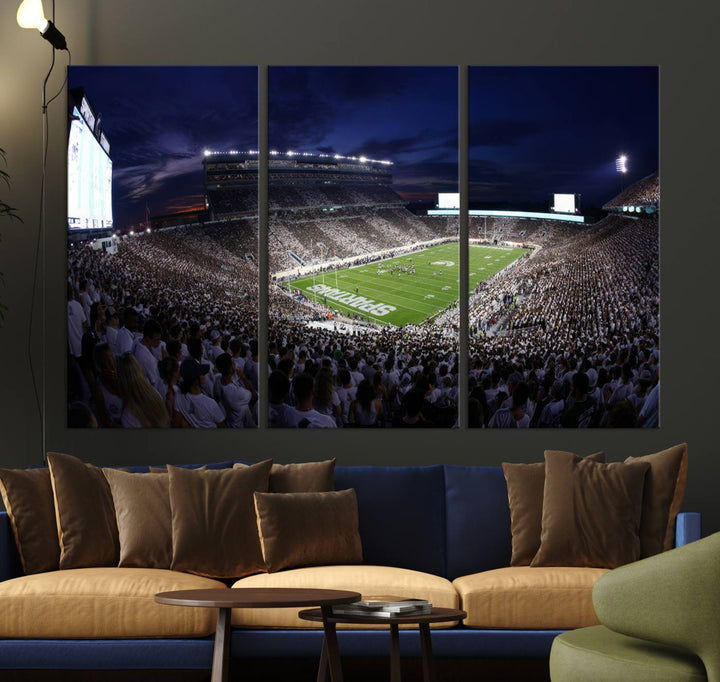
(449, 521)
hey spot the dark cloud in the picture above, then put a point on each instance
(446, 171)
(503, 132)
(354, 85)
(300, 116)
(424, 141)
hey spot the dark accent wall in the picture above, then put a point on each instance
(680, 39)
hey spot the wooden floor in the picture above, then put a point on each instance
(305, 670)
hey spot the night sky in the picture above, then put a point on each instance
(407, 115)
(159, 120)
(539, 130)
(533, 130)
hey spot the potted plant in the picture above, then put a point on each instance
(5, 211)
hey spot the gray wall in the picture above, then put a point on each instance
(680, 38)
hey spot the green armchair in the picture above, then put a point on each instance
(660, 622)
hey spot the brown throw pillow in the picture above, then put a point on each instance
(300, 477)
(142, 508)
(214, 532)
(663, 498)
(84, 511)
(591, 512)
(28, 498)
(525, 484)
(308, 529)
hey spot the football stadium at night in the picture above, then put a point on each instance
(363, 308)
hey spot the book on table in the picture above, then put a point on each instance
(383, 607)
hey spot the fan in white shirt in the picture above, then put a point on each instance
(126, 333)
(303, 416)
(144, 351)
(199, 410)
(232, 396)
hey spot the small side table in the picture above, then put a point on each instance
(257, 598)
(330, 647)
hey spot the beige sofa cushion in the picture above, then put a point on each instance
(529, 598)
(368, 580)
(98, 603)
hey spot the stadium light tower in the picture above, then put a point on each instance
(621, 166)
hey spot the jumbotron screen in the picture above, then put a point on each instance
(448, 200)
(564, 203)
(89, 179)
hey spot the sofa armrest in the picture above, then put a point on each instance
(10, 566)
(672, 598)
(688, 528)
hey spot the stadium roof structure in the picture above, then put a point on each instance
(233, 167)
(297, 181)
(296, 155)
(511, 214)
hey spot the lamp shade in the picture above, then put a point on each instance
(30, 14)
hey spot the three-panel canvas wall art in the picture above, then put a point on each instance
(555, 283)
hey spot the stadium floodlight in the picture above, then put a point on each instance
(621, 164)
(30, 14)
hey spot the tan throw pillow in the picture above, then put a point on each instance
(591, 512)
(525, 484)
(663, 498)
(84, 511)
(142, 508)
(308, 529)
(300, 477)
(28, 498)
(214, 532)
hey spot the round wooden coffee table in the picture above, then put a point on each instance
(257, 598)
(330, 650)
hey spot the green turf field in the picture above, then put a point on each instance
(383, 293)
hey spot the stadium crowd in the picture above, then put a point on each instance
(588, 306)
(163, 333)
(645, 192)
(519, 230)
(316, 196)
(349, 232)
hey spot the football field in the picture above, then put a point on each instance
(407, 289)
